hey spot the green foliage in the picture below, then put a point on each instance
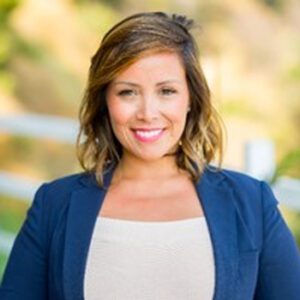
(97, 16)
(6, 45)
(239, 107)
(11, 44)
(276, 5)
(3, 260)
(12, 213)
(289, 165)
(7, 82)
(116, 4)
(6, 7)
(293, 74)
(36, 155)
(293, 220)
(27, 48)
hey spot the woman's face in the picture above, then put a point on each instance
(148, 104)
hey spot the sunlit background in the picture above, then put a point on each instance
(250, 52)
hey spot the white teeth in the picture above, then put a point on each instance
(148, 134)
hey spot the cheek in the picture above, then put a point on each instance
(119, 114)
(177, 112)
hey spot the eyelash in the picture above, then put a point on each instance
(168, 91)
(126, 92)
(163, 91)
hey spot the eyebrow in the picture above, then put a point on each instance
(158, 84)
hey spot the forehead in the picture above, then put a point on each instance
(154, 66)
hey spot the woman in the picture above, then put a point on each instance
(149, 218)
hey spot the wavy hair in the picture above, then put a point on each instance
(126, 42)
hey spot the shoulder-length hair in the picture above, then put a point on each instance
(126, 42)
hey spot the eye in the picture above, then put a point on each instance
(168, 91)
(127, 92)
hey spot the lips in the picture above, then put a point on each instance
(148, 135)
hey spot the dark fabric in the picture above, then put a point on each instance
(256, 256)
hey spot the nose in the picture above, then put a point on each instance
(148, 109)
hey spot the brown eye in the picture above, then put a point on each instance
(126, 92)
(168, 91)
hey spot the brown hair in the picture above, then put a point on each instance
(126, 42)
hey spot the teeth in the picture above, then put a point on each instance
(148, 134)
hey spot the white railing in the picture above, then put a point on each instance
(6, 241)
(17, 187)
(287, 190)
(64, 130)
(38, 126)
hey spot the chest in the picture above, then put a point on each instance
(163, 202)
(150, 260)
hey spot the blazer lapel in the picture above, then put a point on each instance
(220, 214)
(83, 211)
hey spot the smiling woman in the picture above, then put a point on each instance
(148, 104)
(151, 60)
(150, 218)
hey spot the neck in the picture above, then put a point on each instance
(132, 168)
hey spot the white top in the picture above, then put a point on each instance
(163, 260)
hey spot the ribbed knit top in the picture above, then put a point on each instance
(162, 260)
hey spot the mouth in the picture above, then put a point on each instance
(147, 134)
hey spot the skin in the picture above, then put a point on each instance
(151, 93)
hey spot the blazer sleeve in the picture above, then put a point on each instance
(279, 271)
(25, 276)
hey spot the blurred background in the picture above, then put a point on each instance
(250, 52)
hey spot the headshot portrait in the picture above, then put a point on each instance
(154, 213)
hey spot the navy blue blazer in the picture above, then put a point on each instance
(256, 256)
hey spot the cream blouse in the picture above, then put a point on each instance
(162, 260)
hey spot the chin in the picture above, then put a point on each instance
(150, 154)
(150, 157)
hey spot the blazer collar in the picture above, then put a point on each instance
(219, 210)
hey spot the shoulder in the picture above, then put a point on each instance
(247, 191)
(253, 200)
(55, 195)
(67, 183)
(230, 179)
